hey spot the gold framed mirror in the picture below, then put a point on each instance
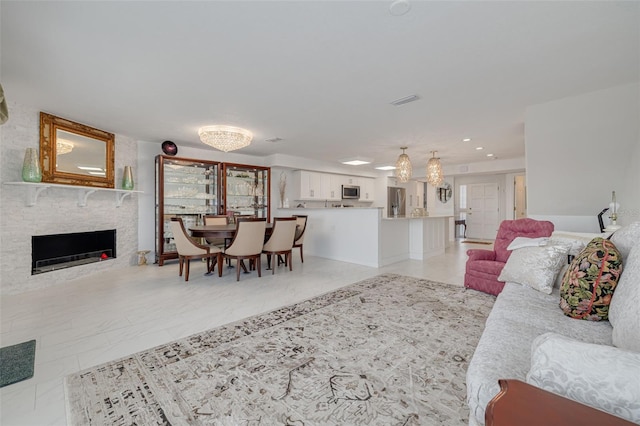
(75, 154)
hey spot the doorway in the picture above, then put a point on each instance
(483, 211)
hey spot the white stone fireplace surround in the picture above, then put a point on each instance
(56, 210)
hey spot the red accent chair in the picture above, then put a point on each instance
(484, 266)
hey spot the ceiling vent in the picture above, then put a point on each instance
(405, 100)
(273, 140)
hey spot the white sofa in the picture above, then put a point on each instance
(527, 337)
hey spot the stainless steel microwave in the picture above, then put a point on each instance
(350, 192)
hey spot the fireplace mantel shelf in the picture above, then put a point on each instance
(34, 190)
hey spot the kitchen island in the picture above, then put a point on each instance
(363, 236)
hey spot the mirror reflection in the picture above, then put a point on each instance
(444, 192)
(80, 154)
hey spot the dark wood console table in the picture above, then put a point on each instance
(519, 403)
(464, 224)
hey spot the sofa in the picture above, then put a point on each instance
(484, 266)
(528, 337)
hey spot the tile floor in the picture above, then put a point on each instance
(92, 320)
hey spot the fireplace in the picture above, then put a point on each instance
(59, 251)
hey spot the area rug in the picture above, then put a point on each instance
(16, 362)
(477, 242)
(390, 350)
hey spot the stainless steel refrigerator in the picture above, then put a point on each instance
(396, 201)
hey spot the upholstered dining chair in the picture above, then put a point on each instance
(484, 266)
(280, 243)
(216, 220)
(189, 249)
(301, 220)
(247, 243)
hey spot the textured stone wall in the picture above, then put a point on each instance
(57, 210)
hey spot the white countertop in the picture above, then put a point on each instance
(415, 217)
(329, 208)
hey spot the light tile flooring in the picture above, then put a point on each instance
(96, 319)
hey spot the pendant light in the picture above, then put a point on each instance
(434, 170)
(403, 167)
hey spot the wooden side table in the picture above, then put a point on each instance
(522, 404)
(464, 224)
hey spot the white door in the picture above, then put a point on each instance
(483, 211)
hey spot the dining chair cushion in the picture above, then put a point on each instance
(249, 238)
(184, 245)
(284, 230)
(216, 220)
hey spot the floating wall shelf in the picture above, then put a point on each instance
(34, 190)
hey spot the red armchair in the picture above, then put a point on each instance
(484, 266)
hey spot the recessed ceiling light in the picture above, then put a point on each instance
(399, 7)
(386, 168)
(479, 148)
(489, 155)
(405, 100)
(356, 162)
(466, 140)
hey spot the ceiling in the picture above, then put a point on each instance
(319, 75)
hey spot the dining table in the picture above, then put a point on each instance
(220, 231)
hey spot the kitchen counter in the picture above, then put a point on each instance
(363, 236)
(331, 208)
(412, 217)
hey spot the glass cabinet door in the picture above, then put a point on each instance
(247, 191)
(187, 189)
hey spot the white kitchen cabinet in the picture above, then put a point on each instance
(307, 185)
(351, 180)
(367, 188)
(327, 186)
(332, 187)
(414, 195)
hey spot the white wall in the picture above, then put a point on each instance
(578, 150)
(630, 206)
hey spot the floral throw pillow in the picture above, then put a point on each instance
(588, 284)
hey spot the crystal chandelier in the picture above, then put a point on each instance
(225, 138)
(63, 147)
(403, 167)
(434, 170)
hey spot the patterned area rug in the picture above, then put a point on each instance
(390, 350)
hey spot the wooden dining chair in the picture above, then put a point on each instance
(302, 227)
(280, 243)
(247, 243)
(189, 249)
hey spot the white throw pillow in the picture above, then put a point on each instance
(520, 242)
(600, 376)
(578, 240)
(624, 313)
(625, 238)
(535, 267)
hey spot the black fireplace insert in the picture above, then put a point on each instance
(59, 251)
